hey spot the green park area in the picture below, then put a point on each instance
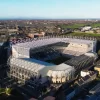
(84, 34)
(78, 25)
(95, 25)
(72, 26)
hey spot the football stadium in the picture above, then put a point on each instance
(57, 59)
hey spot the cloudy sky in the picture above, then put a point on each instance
(50, 9)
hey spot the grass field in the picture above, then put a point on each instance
(73, 26)
(84, 34)
(95, 25)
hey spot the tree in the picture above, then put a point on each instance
(94, 31)
(8, 91)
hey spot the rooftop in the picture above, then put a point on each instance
(46, 41)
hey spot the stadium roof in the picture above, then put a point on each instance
(38, 62)
(80, 41)
(38, 43)
(60, 70)
(35, 67)
(47, 41)
(40, 67)
(62, 67)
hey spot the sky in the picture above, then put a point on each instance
(53, 9)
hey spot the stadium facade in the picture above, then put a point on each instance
(55, 58)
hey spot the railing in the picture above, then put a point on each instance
(73, 37)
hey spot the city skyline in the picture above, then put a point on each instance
(49, 9)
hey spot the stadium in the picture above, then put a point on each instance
(51, 58)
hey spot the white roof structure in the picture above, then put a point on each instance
(42, 42)
(57, 70)
(80, 41)
(38, 43)
(61, 70)
(93, 54)
(22, 49)
(62, 67)
(35, 67)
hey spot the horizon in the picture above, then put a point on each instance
(40, 18)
